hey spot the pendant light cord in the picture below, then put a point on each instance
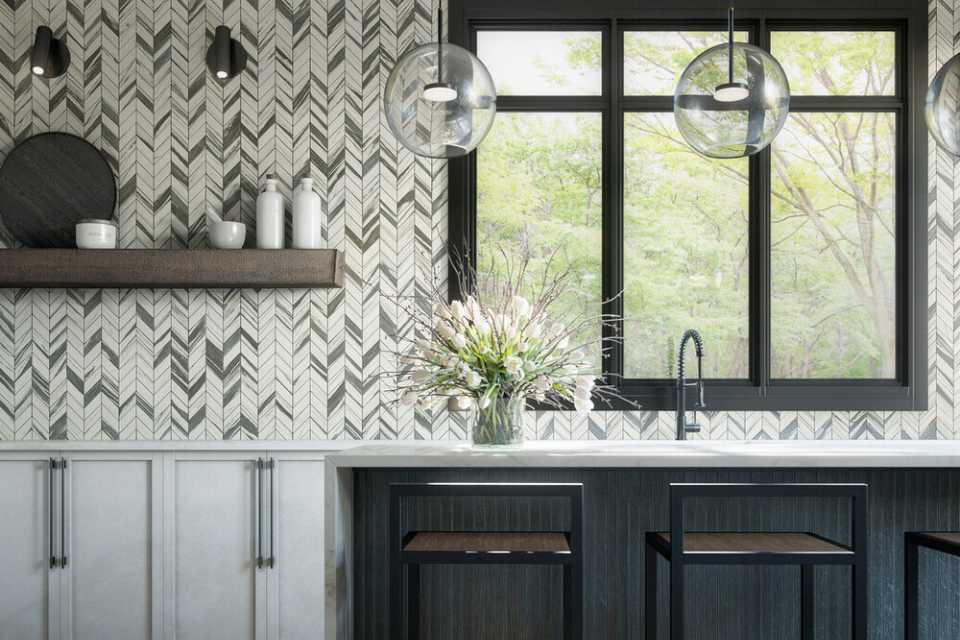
(730, 44)
(440, 44)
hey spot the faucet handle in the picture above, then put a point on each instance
(692, 427)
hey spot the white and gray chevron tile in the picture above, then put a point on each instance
(91, 364)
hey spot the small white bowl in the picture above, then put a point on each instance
(226, 234)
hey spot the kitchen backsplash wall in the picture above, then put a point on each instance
(292, 364)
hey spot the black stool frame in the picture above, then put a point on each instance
(911, 592)
(856, 554)
(572, 562)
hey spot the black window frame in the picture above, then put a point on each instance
(908, 391)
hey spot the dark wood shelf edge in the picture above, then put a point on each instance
(171, 268)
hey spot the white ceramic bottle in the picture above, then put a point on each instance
(270, 216)
(307, 217)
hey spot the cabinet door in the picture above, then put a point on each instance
(28, 590)
(296, 579)
(107, 587)
(218, 592)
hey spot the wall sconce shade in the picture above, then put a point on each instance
(49, 57)
(226, 57)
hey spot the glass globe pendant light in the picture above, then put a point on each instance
(732, 100)
(440, 100)
(942, 110)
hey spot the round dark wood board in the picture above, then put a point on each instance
(48, 183)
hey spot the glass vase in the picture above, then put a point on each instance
(501, 423)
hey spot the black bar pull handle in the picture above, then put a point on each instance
(259, 513)
(63, 513)
(52, 468)
(272, 561)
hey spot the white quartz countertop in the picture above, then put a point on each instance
(569, 453)
(653, 454)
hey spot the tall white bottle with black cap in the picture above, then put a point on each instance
(270, 216)
(307, 217)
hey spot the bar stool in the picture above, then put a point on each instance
(414, 548)
(807, 550)
(942, 541)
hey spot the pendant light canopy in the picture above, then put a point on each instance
(942, 109)
(732, 100)
(440, 100)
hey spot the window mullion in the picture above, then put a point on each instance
(612, 252)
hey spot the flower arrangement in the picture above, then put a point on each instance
(496, 349)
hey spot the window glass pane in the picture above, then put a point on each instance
(685, 252)
(654, 60)
(543, 63)
(539, 192)
(837, 63)
(833, 260)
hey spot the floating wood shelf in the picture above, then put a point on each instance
(171, 268)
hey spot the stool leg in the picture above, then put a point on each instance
(807, 620)
(413, 602)
(859, 613)
(676, 597)
(572, 602)
(911, 590)
(396, 596)
(650, 595)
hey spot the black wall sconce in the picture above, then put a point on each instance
(226, 57)
(49, 57)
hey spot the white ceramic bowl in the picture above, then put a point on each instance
(96, 234)
(226, 234)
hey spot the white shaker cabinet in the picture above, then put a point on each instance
(28, 584)
(213, 520)
(109, 582)
(295, 578)
(146, 543)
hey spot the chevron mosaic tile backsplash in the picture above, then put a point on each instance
(289, 364)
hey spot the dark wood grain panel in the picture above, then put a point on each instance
(620, 505)
(755, 542)
(178, 268)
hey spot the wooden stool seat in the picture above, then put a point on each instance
(753, 543)
(487, 542)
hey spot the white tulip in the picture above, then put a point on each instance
(409, 360)
(564, 341)
(535, 330)
(582, 406)
(420, 376)
(463, 402)
(425, 347)
(483, 327)
(451, 361)
(521, 307)
(523, 346)
(409, 398)
(484, 402)
(444, 330)
(542, 383)
(456, 310)
(441, 310)
(473, 379)
(474, 312)
(459, 341)
(586, 381)
(513, 364)
(581, 393)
